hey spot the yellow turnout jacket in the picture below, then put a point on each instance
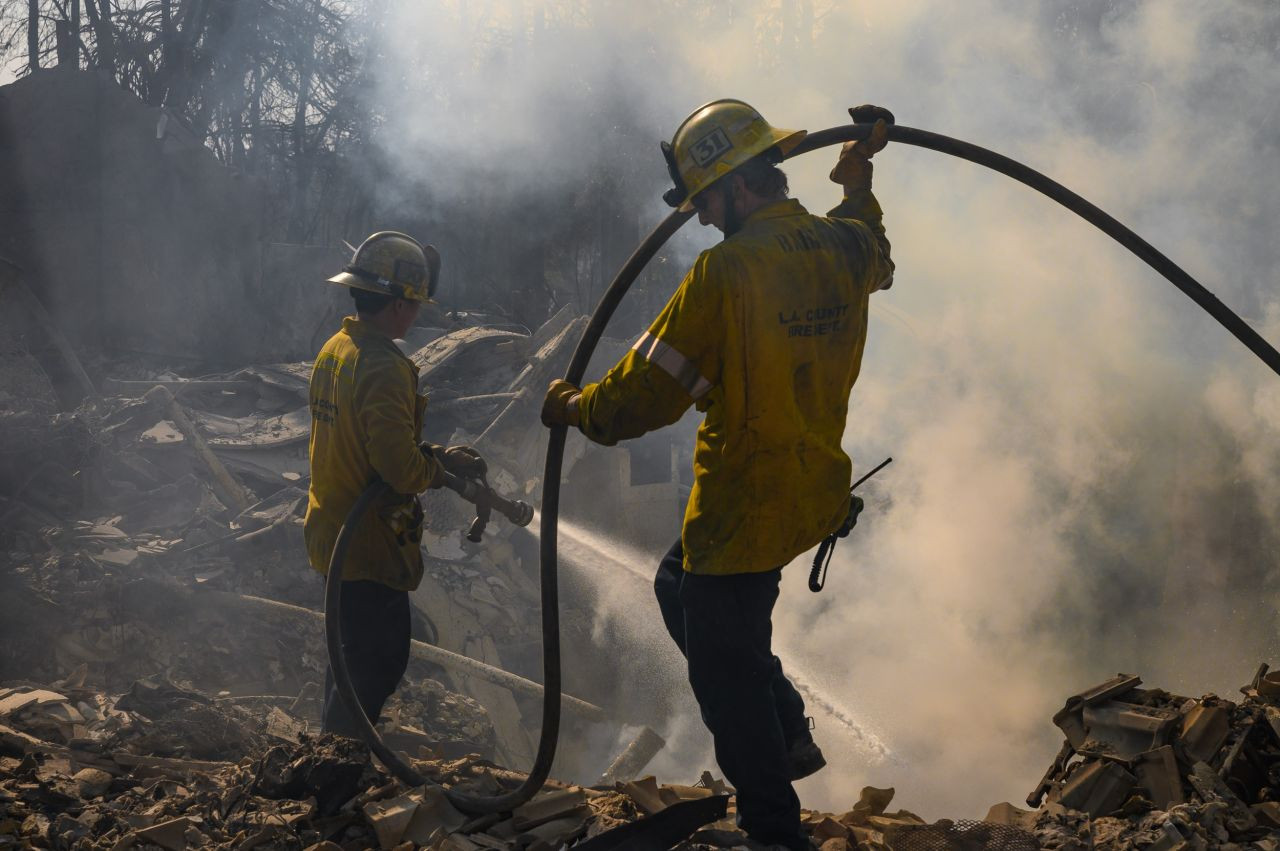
(366, 415)
(765, 336)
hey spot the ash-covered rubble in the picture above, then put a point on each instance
(155, 530)
(1145, 768)
(169, 767)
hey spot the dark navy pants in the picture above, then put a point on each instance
(724, 627)
(375, 641)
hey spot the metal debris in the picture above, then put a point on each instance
(1146, 768)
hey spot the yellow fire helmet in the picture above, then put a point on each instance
(393, 263)
(713, 141)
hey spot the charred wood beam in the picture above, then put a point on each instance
(230, 491)
(418, 649)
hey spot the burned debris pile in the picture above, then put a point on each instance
(1144, 768)
(82, 769)
(162, 633)
(169, 767)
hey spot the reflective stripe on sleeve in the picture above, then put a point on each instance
(674, 364)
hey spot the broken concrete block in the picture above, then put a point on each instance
(871, 802)
(1124, 730)
(548, 806)
(389, 819)
(829, 828)
(838, 843)
(1097, 788)
(1070, 718)
(92, 782)
(1159, 776)
(1203, 732)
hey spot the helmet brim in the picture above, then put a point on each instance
(355, 282)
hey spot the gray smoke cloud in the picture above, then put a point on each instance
(1085, 475)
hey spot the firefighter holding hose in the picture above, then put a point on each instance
(765, 337)
(366, 416)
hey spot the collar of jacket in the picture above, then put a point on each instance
(776, 210)
(357, 330)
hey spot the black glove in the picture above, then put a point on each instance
(853, 170)
(461, 461)
(870, 114)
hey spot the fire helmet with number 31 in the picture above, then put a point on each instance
(714, 140)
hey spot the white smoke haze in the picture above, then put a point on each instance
(1085, 476)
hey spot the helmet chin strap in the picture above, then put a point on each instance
(732, 224)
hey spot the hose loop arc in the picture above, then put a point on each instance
(591, 335)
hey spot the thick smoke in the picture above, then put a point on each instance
(1085, 475)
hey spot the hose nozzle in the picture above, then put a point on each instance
(486, 500)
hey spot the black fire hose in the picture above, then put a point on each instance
(578, 366)
(485, 500)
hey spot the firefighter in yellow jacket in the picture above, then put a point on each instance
(366, 417)
(764, 336)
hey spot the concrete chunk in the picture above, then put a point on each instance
(1204, 731)
(871, 802)
(1097, 788)
(92, 782)
(390, 819)
(1158, 774)
(829, 828)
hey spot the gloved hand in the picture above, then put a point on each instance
(460, 460)
(560, 407)
(868, 113)
(853, 170)
(463, 461)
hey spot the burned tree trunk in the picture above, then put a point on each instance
(100, 20)
(302, 152)
(33, 35)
